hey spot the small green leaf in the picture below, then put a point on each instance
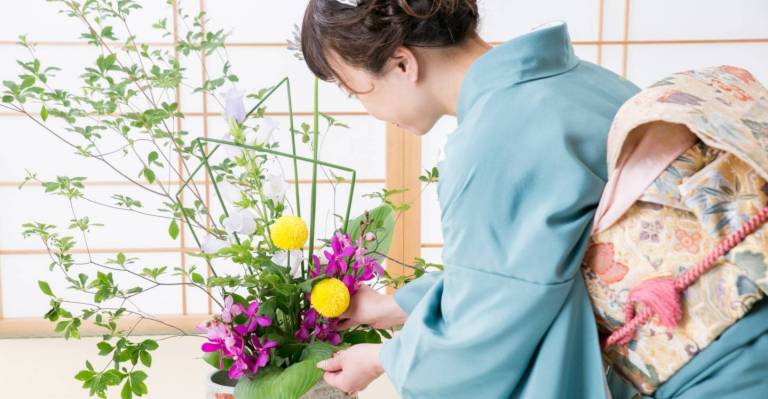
(146, 358)
(104, 348)
(198, 279)
(44, 113)
(126, 392)
(45, 288)
(149, 174)
(173, 229)
(149, 345)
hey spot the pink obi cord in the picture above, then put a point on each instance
(662, 296)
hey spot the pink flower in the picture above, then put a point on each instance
(230, 311)
(239, 342)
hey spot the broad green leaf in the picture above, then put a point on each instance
(382, 224)
(291, 383)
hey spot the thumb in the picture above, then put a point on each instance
(345, 324)
(332, 364)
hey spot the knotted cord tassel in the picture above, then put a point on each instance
(662, 297)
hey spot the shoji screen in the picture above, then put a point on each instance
(258, 53)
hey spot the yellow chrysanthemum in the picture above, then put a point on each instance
(289, 232)
(330, 297)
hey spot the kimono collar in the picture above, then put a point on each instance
(543, 52)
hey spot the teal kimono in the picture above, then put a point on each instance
(519, 184)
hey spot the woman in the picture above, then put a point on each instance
(519, 184)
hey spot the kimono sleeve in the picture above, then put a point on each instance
(410, 294)
(481, 335)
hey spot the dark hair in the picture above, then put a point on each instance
(367, 35)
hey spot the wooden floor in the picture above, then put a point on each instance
(45, 367)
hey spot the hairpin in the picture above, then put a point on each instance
(351, 3)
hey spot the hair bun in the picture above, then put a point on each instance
(425, 9)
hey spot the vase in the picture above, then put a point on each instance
(221, 387)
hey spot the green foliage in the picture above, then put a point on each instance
(289, 383)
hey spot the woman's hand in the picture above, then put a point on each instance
(369, 307)
(352, 369)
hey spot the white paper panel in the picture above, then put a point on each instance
(504, 19)
(613, 19)
(42, 22)
(644, 67)
(22, 297)
(698, 19)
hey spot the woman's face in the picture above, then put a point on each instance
(397, 95)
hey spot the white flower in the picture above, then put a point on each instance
(263, 134)
(297, 256)
(229, 191)
(211, 244)
(240, 221)
(275, 187)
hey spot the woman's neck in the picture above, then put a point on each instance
(448, 68)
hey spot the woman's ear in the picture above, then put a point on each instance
(406, 63)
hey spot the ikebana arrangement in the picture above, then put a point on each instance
(278, 314)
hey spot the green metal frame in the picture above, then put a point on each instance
(198, 142)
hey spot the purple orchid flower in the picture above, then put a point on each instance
(241, 365)
(254, 320)
(265, 351)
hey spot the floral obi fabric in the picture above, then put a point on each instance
(716, 180)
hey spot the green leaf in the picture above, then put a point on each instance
(382, 224)
(150, 345)
(198, 279)
(213, 358)
(104, 348)
(120, 259)
(173, 229)
(291, 383)
(45, 288)
(146, 358)
(126, 392)
(149, 174)
(44, 113)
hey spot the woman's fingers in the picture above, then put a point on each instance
(346, 323)
(332, 364)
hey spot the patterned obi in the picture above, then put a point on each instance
(688, 165)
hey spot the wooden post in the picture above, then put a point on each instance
(403, 170)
